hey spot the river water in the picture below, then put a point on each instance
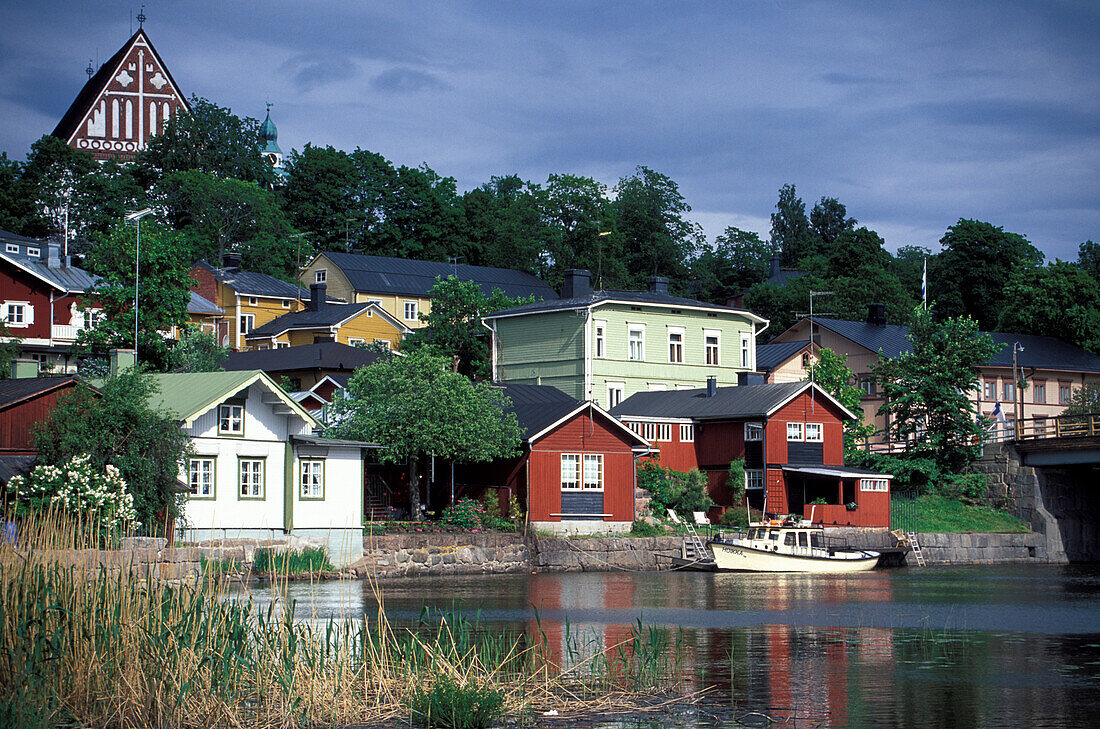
(1004, 646)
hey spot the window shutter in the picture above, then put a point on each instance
(30, 313)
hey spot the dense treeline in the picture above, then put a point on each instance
(206, 176)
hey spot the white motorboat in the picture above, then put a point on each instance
(776, 546)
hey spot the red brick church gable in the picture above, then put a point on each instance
(125, 103)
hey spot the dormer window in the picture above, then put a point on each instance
(11, 248)
(33, 251)
(320, 275)
(231, 419)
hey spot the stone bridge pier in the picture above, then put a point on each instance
(1061, 501)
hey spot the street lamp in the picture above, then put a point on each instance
(135, 218)
(1017, 398)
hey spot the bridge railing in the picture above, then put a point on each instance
(1038, 428)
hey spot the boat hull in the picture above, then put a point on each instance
(735, 557)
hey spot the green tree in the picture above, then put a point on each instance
(47, 185)
(649, 212)
(115, 425)
(927, 389)
(13, 205)
(829, 220)
(581, 232)
(737, 260)
(977, 261)
(1088, 258)
(415, 406)
(163, 291)
(791, 233)
(908, 267)
(209, 139)
(197, 351)
(683, 492)
(1085, 400)
(102, 197)
(453, 328)
(1060, 300)
(503, 224)
(830, 371)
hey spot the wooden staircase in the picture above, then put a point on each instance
(376, 499)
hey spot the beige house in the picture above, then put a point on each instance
(1052, 369)
(401, 287)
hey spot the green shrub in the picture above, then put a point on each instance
(515, 511)
(969, 488)
(682, 492)
(491, 502)
(645, 529)
(465, 514)
(295, 561)
(735, 481)
(919, 474)
(450, 705)
(734, 518)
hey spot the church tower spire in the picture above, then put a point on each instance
(270, 149)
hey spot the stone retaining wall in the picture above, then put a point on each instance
(413, 555)
(603, 554)
(978, 548)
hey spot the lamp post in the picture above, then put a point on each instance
(135, 218)
(1017, 398)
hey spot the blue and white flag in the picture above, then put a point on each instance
(924, 285)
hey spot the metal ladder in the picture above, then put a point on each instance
(915, 545)
(692, 547)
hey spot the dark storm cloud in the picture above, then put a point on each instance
(913, 115)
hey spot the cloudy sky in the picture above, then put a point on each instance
(912, 114)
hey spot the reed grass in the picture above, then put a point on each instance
(85, 640)
(291, 561)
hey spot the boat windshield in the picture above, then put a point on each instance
(802, 538)
(773, 534)
(788, 539)
(816, 539)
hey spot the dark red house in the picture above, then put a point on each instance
(576, 472)
(790, 436)
(25, 400)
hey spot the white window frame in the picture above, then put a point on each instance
(388, 343)
(247, 323)
(415, 310)
(754, 479)
(990, 390)
(631, 330)
(881, 485)
(26, 314)
(615, 393)
(1009, 390)
(795, 432)
(320, 275)
(657, 386)
(311, 479)
(34, 252)
(599, 338)
(676, 346)
(91, 318)
(199, 477)
(248, 486)
(570, 471)
(754, 432)
(253, 301)
(1039, 393)
(687, 432)
(712, 353)
(592, 472)
(230, 418)
(356, 341)
(819, 437)
(282, 345)
(286, 303)
(11, 248)
(746, 350)
(664, 432)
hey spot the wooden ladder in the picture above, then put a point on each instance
(915, 546)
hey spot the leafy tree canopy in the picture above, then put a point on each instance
(197, 351)
(736, 260)
(116, 425)
(791, 233)
(657, 240)
(1061, 297)
(830, 371)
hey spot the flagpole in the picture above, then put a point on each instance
(924, 284)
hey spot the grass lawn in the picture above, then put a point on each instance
(937, 514)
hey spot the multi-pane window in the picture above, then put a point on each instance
(410, 311)
(231, 419)
(91, 318)
(874, 484)
(636, 344)
(201, 477)
(687, 432)
(1039, 392)
(252, 478)
(1065, 392)
(754, 432)
(814, 432)
(599, 337)
(754, 479)
(313, 479)
(664, 431)
(356, 341)
(320, 275)
(11, 248)
(570, 471)
(676, 346)
(593, 471)
(615, 392)
(794, 431)
(746, 350)
(867, 384)
(711, 347)
(34, 252)
(1010, 391)
(991, 391)
(15, 314)
(248, 323)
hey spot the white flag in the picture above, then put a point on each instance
(924, 284)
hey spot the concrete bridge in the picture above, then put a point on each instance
(1048, 471)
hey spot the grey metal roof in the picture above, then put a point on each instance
(322, 441)
(200, 305)
(325, 355)
(538, 406)
(383, 275)
(770, 356)
(639, 297)
(16, 390)
(325, 316)
(836, 471)
(250, 283)
(1048, 353)
(732, 403)
(15, 466)
(67, 278)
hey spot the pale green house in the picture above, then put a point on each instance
(607, 345)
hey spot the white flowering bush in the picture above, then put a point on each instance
(79, 489)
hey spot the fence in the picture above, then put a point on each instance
(904, 510)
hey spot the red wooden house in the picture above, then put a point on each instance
(576, 472)
(790, 436)
(25, 400)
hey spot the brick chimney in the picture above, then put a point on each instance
(876, 315)
(658, 284)
(317, 296)
(712, 386)
(577, 283)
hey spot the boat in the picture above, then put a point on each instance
(787, 546)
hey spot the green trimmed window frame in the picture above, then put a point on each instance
(202, 471)
(311, 479)
(251, 478)
(231, 420)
